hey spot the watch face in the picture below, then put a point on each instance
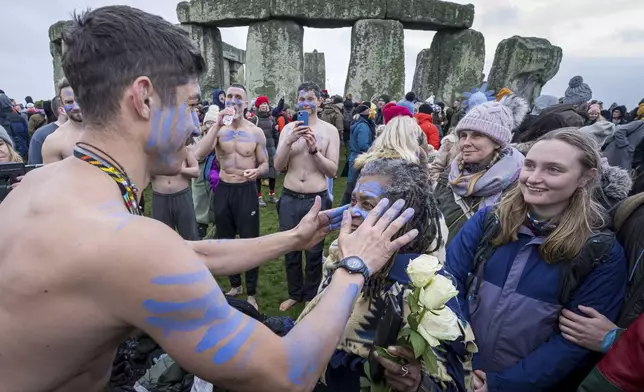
(354, 264)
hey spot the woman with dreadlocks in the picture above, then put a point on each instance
(486, 165)
(392, 179)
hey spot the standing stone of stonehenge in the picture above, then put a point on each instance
(275, 60)
(452, 65)
(208, 41)
(315, 68)
(524, 65)
(377, 64)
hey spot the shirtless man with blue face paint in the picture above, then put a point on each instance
(81, 272)
(311, 153)
(240, 149)
(60, 144)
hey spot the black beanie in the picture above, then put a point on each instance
(337, 99)
(425, 108)
(385, 98)
(365, 105)
(410, 96)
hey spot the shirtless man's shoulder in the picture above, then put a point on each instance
(66, 280)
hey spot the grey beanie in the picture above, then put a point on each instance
(577, 92)
(5, 136)
(600, 131)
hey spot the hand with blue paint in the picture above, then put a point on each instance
(371, 241)
(317, 224)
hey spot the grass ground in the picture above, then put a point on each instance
(272, 289)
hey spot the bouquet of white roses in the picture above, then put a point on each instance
(429, 321)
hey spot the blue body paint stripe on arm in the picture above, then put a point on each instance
(182, 279)
(232, 347)
(160, 307)
(217, 333)
(302, 357)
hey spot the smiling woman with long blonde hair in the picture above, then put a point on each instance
(544, 248)
(7, 153)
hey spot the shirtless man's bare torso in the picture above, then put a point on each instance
(172, 200)
(79, 273)
(240, 148)
(60, 144)
(311, 153)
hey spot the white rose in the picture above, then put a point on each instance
(422, 269)
(439, 327)
(439, 291)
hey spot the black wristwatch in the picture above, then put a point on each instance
(314, 151)
(355, 265)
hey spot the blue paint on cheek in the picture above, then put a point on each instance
(357, 211)
(69, 108)
(232, 347)
(180, 279)
(154, 129)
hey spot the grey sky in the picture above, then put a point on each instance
(602, 42)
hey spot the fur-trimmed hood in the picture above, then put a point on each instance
(614, 185)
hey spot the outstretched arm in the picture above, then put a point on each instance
(170, 295)
(222, 257)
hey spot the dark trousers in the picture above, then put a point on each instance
(177, 211)
(236, 210)
(292, 207)
(271, 185)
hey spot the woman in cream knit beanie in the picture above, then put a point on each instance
(486, 164)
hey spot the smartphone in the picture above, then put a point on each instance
(303, 116)
(10, 171)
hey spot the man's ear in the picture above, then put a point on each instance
(142, 96)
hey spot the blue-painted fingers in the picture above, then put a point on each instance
(335, 216)
(380, 208)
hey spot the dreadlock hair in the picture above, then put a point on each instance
(408, 181)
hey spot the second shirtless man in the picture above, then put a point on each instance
(240, 149)
(311, 154)
(171, 196)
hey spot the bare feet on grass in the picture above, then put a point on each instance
(286, 305)
(251, 300)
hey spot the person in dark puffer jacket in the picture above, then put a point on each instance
(15, 125)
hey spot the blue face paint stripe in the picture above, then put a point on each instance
(167, 125)
(155, 129)
(219, 332)
(187, 278)
(229, 350)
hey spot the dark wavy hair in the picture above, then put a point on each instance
(408, 181)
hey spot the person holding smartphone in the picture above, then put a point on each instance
(310, 148)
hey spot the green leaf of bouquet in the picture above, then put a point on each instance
(413, 306)
(404, 332)
(381, 351)
(418, 343)
(430, 362)
(364, 382)
(367, 371)
(412, 319)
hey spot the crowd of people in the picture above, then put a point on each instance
(531, 209)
